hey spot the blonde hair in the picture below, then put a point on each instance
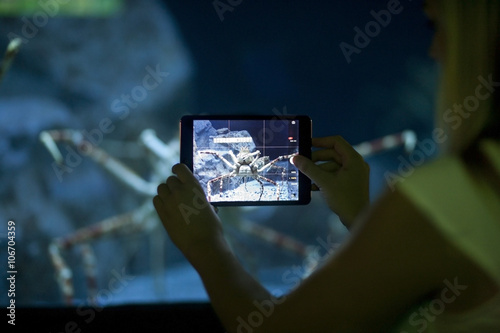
(472, 29)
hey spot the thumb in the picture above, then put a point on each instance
(308, 168)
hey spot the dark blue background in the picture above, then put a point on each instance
(276, 54)
(265, 57)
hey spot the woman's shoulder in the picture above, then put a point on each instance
(445, 172)
(451, 177)
(448, 189)
(491, 149)
(464, 207)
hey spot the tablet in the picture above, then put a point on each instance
(246, 160)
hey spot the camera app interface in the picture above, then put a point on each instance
(246, 160)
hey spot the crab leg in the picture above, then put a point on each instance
(280, 158)
(163, 151)
(270, 181)
(81, 236)
(127, 221)
(112, 165)
(408, 139)
(221, 178)
(212, 152)
(274, 237)
(108, 226)
(261, 187)
(257, 153)
(89, 266)
(64, 276)
(10, 54)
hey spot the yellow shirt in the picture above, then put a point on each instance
(467, 212)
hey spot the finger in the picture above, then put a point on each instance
(173, 183)
(157, 203)
(311, 170)
(324, 142)
(326, 155)
(162, 210)
(159, 206)
(163, 190)
(344, 150)
(182, 171)
(327, 141)
(329, 166)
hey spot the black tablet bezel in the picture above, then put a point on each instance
(305, 135)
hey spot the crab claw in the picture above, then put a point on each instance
(51, 146)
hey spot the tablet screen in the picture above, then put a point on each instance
(247, 160)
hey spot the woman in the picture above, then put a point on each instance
(424, 257)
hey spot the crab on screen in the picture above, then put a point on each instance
(239, 161)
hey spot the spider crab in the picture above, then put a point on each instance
(143, 219)
(245, 165)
